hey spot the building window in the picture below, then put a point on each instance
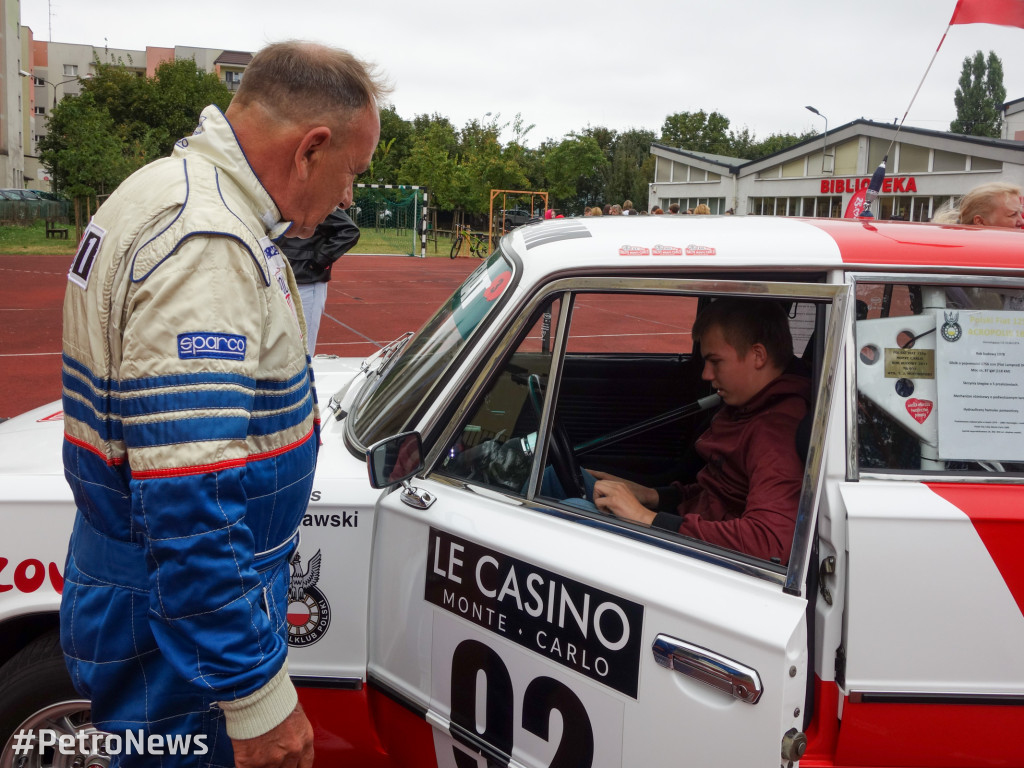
(70, 70)
(716, 204)
(984, 164)
(232, 80)
(663, 170)
(948, 161)
(39, 110)
(846, 158)
(820, 207)
(913, 159)
(38, 81)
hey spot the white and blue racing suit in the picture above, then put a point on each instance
(191, 439)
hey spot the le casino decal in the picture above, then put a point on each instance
(588, 630)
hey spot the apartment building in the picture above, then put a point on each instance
(54, 70)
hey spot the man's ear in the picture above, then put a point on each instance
(760, 353)
(311, 149)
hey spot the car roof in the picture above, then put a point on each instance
(647, 243)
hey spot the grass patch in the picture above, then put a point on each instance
(32, 239)
(398, 241)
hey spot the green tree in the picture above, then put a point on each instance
(697, 132)
(632, 167)
(82, 149)
(180, 91)
(576, 170)
(121, 121)
(979, 97)
(395, 144)
(431, 159)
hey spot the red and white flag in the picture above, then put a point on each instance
(1005, 13)
(857, 203)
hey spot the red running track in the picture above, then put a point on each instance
(370, 301)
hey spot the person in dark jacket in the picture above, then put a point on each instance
(746, 496)
(312, 259)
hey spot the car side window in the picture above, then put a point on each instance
(496, 446)
(939, 384)
(629, 399)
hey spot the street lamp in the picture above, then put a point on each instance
(23, 73)
(826, 167)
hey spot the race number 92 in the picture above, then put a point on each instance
(542, 697)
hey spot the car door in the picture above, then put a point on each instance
(529, 632)
(931, 668)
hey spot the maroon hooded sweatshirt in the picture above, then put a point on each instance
(746, 496)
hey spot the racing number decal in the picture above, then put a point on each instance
(469, 660)
(544, 695)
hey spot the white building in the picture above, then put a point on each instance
(819, 176)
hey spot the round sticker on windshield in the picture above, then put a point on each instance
(498, 285)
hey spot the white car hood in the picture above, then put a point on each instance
(30, 444)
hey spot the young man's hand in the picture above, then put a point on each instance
(617, 498)
(646, 496)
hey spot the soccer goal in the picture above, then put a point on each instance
(392, 219)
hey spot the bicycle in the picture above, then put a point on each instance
(478, 245)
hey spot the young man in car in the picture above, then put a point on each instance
(745, 498)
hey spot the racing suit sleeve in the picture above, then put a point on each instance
(188, 414)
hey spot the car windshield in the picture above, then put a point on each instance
(388, 405)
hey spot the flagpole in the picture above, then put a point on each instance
(929, 69)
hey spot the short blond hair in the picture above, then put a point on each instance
(702, 209)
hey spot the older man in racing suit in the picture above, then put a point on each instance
(190, 417)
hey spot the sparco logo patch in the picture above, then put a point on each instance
(309, 613)
(225, 346)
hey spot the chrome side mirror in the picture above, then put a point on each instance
(394, 459)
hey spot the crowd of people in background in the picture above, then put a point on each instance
(627, 209)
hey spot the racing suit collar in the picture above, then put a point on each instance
(215, 139)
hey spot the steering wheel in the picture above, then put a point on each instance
(563, 460)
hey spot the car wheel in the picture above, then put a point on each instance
(36, 693)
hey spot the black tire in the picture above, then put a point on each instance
(456, 247)
(35, 690)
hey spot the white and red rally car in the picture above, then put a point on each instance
(460, 618)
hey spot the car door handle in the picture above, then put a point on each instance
(708, 667)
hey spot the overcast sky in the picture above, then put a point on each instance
(565, 66)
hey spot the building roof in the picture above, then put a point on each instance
(708, 157)
(234, 58)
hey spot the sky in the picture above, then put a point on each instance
(565, 66)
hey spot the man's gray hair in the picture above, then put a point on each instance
(302, 81)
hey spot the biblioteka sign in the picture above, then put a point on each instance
(890, 185)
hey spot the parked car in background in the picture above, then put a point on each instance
(516, 217)
(449, 611)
